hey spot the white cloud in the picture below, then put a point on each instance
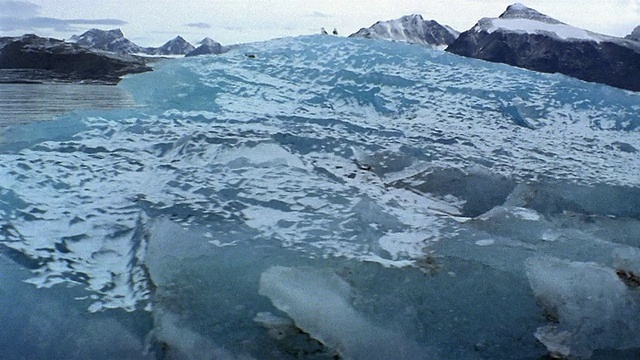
(22, 16)
(18, 9)
(199, 25)
(60, 25)
(318, 14)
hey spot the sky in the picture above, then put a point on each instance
(153, 22)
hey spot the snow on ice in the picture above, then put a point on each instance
(329, 196)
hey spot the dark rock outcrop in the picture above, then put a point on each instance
(31, 58)
(525, 38)
(411, 29)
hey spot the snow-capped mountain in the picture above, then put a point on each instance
(107, 40)
(115, 41)
(207, 46)
(635, 34)
(523, 37)
(523, 20)
(175, 46)
(411, 29)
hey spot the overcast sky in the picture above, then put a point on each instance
(153, 22)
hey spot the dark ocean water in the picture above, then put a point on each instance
(25, 103)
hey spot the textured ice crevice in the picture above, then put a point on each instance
(103, 260)
(318, 302)
(288, 227)
(515, 213)
(474, 189)
(183, 162)
(419, 210)
(405, 245)
(263, 154)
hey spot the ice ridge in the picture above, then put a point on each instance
(418, 178)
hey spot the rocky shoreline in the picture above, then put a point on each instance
(34, 59)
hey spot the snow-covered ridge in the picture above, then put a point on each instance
(115, 41)
(529, 26)
(520, 19)
(110, 40)
(411, 29)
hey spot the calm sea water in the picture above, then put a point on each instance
(25, 103)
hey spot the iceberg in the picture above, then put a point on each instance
(328, 196)
(589, 306)
(318, 301)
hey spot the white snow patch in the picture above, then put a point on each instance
(404, 244)
(528, 26)
(262, 154)
(525, 214)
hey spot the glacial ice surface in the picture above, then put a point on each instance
(466, 208)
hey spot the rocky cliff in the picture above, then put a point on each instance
(32, 58)
(526, 38)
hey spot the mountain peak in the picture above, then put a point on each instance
(207, 41)
(523, 20)
(116, 32)
(411, 29)
(175, 46)
(635, 34)
(113, 33)
(107, 40)
(179, 38)
(207, 46)
(520, 11)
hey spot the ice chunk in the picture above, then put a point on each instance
(588, 304)
(168, 244)
(514, 222)
(318, 302)
(627, 263)
(180, 342)
(627, 259)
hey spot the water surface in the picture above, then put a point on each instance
(25, 103)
